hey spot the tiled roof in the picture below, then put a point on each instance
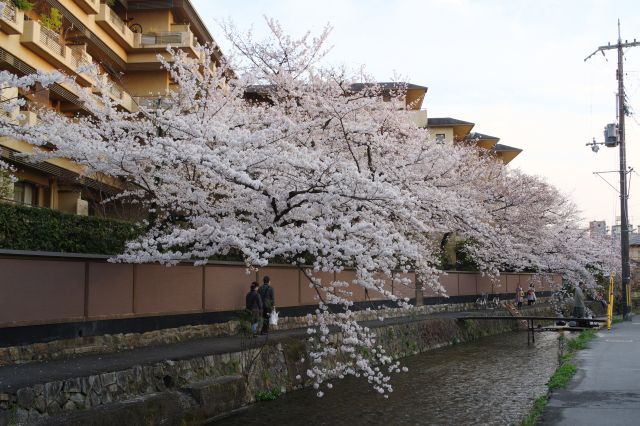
(389, 85)
(504, 148)
(481, 136)
(447, 121)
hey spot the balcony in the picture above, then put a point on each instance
(117, 93)
(90, 7)
(46, 43)
(180, 36)
(29, 118)
(11, 18)
(109, 21)
(79, 58)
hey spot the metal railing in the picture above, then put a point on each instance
(163, 38)
(116, 21)
(80, 57)
(116, 90)
(9, 12)
(51, 40)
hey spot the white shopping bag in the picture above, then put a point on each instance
(273, 318)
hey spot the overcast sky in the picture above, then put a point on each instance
(515, 68)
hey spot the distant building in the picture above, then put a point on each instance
(597, 227)
(634, 247)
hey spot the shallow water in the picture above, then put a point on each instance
(492, 381)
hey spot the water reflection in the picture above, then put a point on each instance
(490, 382)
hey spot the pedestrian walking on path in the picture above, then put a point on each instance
(519, 296)
(269, 302)
(531, 295)
(255, 306)
(578, 302)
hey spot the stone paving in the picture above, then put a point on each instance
(606, 388)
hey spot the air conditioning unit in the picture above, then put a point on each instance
(611, 135)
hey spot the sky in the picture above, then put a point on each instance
(515, 68)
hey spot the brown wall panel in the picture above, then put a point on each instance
(307, 294)
(450, 283)
(404, 290)
(557, 283)
(376, 295)
(467, 284)
(161, 289)
(285, 284)
(357, 290)
(500, 286)
(512, 283)
(110, 289)
(485, 284)
(226, 287)
(525, 281)
(41, 290)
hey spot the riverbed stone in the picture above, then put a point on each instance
(25, 398)
(220, 395)
(108, 378)
(40, 404)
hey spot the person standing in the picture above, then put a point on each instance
(578, 302)
(268, 300)
(519, 296)
(253, 303)
(531, 295)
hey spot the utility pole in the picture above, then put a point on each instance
(624, 196)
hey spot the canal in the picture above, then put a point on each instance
(492, 381)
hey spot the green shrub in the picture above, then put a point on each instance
(268, 395)
(27, 228)
(23, 4)
(53, 20)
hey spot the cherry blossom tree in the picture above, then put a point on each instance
(274, 156)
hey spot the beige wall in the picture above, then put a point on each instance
(447, 131)
(153, 22)
(34, 291)
(146, 83)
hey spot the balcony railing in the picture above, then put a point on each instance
(116, 91)
(51, 40)
(89, 6)
(115, 26)
(116, 21)
(47, 44)
(163, 38)
(79, 56)
(9, 11)
(11, 18)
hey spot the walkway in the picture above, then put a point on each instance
(14, 377)
(606, 388)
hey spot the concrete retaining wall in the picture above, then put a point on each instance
(192, 387)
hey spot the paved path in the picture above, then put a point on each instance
(606, 388)
(14, 377)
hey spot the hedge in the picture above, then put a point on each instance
(37, 229)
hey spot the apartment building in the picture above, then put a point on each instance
(451, 130)
(123, 38)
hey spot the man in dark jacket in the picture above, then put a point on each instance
(255, 305)
(268, 300)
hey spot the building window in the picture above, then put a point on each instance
(440, 138)
(25, 193)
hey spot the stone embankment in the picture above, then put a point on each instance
(209, 378)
